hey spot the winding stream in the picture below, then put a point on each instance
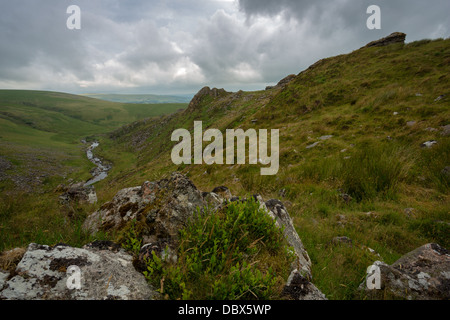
(101, 171)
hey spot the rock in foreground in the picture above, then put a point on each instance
(422, 274)
(107, 273)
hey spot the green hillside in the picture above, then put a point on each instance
(352, 159)
(41, 132)
(72, 116)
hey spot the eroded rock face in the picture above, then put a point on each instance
(422, 274)
(396, 37)
(106, 272)
(205, 91)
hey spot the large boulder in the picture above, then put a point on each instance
(161, 208)
(422, 274)
(105, 272)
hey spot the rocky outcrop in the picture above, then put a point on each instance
(104, 271)
(205, 91)
(422, 274)
(162, 208)
(396, 37)
(285, 81)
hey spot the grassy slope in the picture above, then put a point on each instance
(40, 135)
(374, 155)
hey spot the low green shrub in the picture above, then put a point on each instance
(235, 253)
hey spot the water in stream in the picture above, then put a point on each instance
(101, 171)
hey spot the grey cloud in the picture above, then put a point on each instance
(419, 19)
(181, 45)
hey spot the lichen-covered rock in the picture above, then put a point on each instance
(106, 272)
(278, 212)
(422, 274)
(162, 208)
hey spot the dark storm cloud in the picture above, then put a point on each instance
(167, 46)
(419, 19)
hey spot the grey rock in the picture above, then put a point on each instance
(422, 274)
(445, 130)
(105, 274)
(78, 192)
(3, 278)
(442, 96)
(279, 213)
(326, 137)
(396, 37)
(286, 80)
(299, 288)
(223, 191)
(167, 205)
(312, 145)
(410, 123)
(342, 240)
(428, 144)
(205, 91)
(213, 200)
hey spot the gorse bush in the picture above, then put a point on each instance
(235, 253)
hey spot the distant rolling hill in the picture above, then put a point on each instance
(69, 116)
(40, 132)
(141, 98)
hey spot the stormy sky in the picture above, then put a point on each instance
(179, 46)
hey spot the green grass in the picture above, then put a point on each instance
(374, 155)
(40, 136)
